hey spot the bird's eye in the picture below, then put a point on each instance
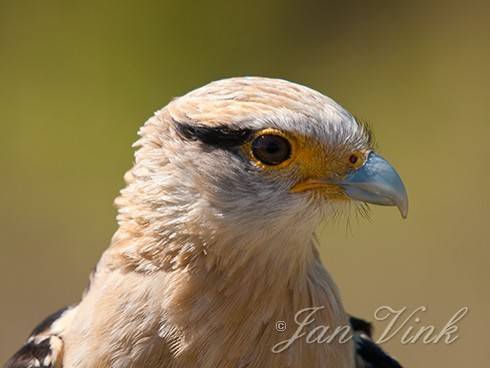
(271, 149)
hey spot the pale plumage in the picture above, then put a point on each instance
(214, 245)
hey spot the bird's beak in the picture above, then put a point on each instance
(376, 182)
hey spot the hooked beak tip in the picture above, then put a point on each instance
(377, 182)
(403, 208)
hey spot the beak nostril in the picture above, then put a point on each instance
(377, 182)
(353, 159)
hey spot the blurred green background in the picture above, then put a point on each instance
(77, 79)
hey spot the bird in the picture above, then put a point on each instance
(216, 238)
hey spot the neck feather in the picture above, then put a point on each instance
(234, 296)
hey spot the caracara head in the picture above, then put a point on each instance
(253, 157)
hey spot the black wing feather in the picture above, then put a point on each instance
(43, 347)
(368, 353)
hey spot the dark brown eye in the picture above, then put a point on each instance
(271, 149)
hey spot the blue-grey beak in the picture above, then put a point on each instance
(377, 182)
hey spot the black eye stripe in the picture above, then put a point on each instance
(219, 136)
(270, 149)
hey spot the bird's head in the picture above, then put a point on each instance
(258, 155)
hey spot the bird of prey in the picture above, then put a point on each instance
(216, 241)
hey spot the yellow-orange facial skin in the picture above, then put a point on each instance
(314, 164)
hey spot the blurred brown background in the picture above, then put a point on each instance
(77, 79)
